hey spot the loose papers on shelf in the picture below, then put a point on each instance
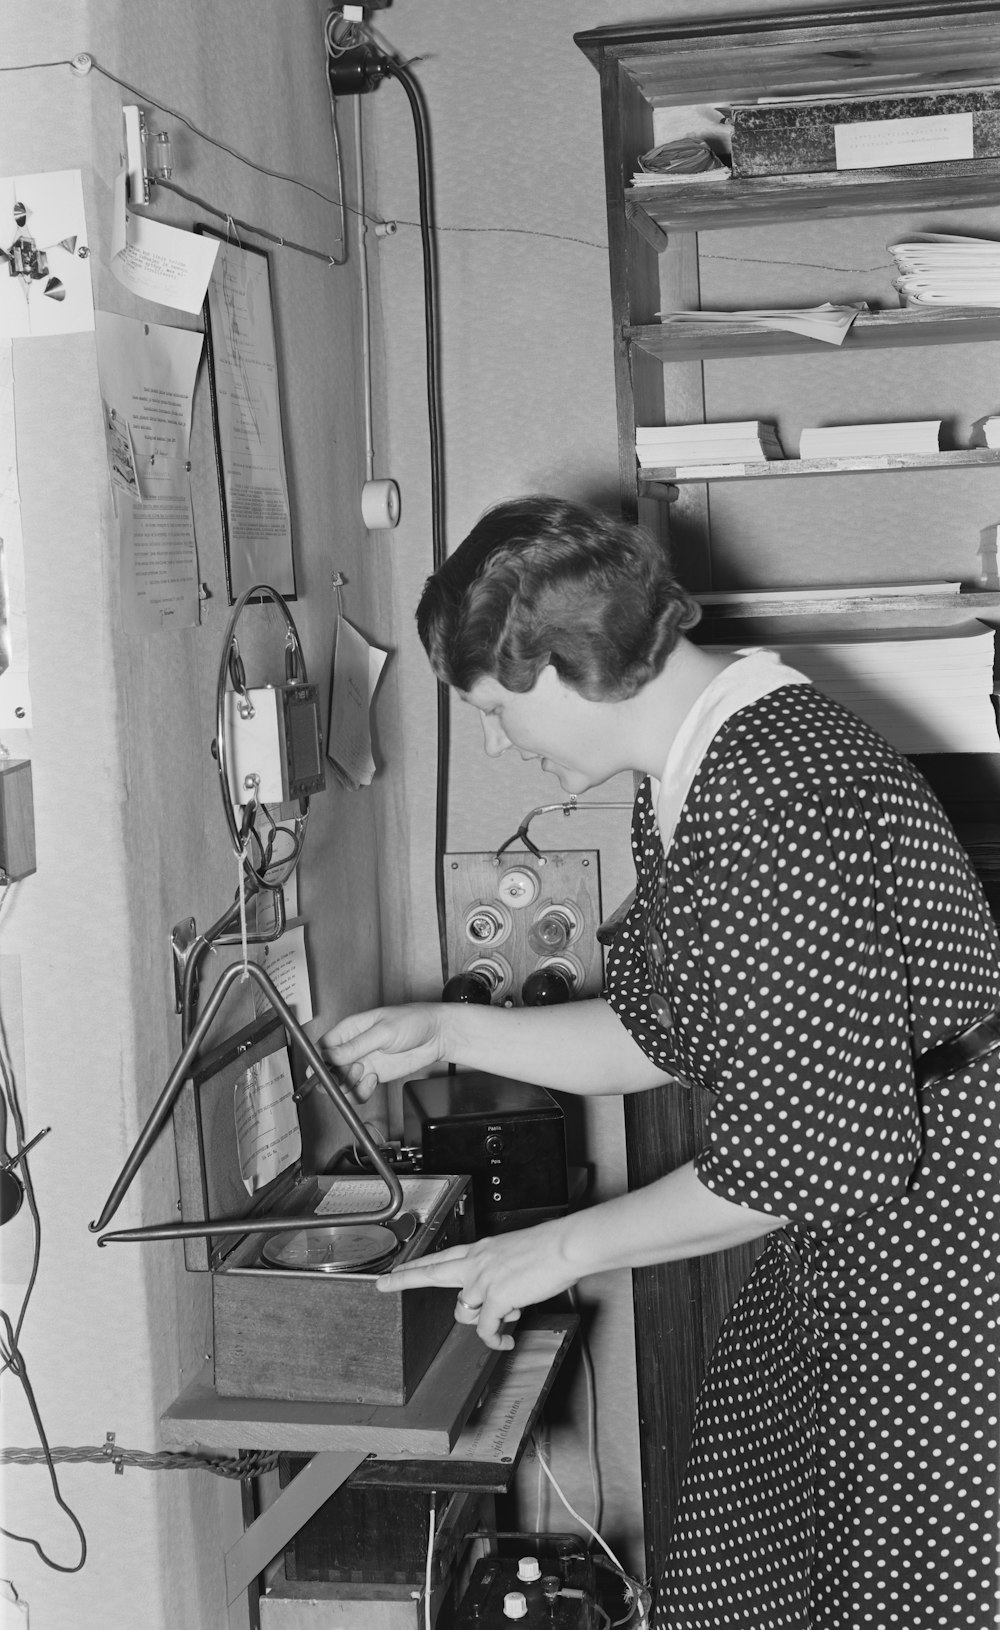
(947, 269)
(826, 322)
(925, 690)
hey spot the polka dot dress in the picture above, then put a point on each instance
(815, 927)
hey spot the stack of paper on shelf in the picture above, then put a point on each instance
(826, 322)
(741, 441)
(860, 440)
(926, 691)
(945, 269)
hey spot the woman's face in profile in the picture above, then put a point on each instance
(575, 739)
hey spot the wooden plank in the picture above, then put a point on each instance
(956, 325)
(855, 51)
(428, 1425)
(848, 604)
(271, 1531)
(661, 1134)
(964, 183)
(780, 468)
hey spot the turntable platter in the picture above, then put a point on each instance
(351, 1249)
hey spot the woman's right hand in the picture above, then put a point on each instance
(386, 1043)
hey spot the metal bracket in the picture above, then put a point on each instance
(136, 171)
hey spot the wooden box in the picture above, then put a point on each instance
(800, 137)
(282, 1333)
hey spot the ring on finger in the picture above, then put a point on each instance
(470, 1307)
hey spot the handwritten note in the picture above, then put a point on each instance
(157, 261)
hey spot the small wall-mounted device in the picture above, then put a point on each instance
(17, 820)
(273, 744)
(508, 1136)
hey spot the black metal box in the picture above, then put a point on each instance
(508, 1136)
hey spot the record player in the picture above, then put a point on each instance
(296, 1313)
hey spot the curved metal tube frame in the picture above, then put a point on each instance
(179, 1074)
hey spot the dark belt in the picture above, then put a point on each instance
(958, 1052)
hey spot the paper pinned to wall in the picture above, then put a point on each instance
(268, 1136)
(45, 285)
(147, 374)
(157, 261)
(357, 668)
(15, 700)
(284, 962)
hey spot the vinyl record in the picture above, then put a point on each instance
(358, 1249)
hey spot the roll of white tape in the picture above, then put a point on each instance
(379, 504)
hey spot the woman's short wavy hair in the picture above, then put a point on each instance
(540, 580)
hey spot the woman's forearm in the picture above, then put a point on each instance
(673, 1218)
(580, 1047)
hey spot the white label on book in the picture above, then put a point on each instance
(872, 143)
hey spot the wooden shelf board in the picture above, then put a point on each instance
(412, 1443)
(428, 1425)
(820, 195)
(827, 605)
(691, 341)
(778, 468)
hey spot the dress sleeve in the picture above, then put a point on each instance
(804, 978)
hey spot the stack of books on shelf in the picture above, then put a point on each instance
(945, 269)
(926, 690)
(741, 441)
(864, 440)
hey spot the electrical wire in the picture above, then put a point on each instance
(588, 1370)
(429, 1562)
(247, 226)
(14, 1361)
(251, 1463)
(214, 141)
(635, 1590)
(421, 132)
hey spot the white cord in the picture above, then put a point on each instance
(588, 1367)
(431, 1526)
(575, 1514)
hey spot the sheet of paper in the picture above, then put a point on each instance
(872, 144)
(284, 962)
(147, 373)
(43, 236)
(268, 1137)
(495, 1432)
(15, 701)
(357, 668)
(248, 422)
(157, 261)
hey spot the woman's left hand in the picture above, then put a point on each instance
(495, 1278)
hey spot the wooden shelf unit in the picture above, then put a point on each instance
(884, 49)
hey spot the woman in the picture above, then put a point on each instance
(805, 929)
